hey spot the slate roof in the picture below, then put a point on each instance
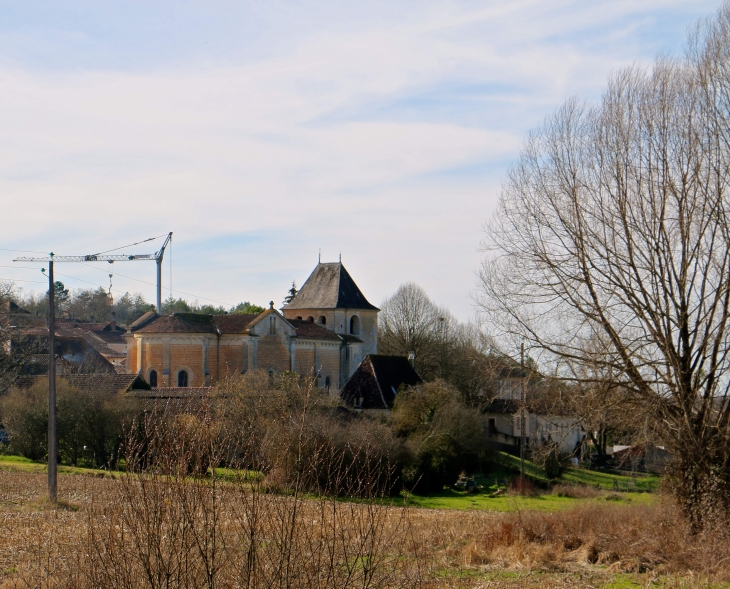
(309, 330)
(330, 286)
(377, 380)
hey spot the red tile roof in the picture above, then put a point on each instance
(234, 323)
(309, 330)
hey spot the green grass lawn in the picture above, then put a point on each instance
(18, 463)
(507, 467)
(510, 466)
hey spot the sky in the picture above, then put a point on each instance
(262, 133)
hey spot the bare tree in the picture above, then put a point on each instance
(614, 224)
(412, 322)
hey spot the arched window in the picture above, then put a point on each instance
(153, 378)
(327, 382)
(354, 325)
(299, 317)
(322, 320)
(310, 319)
(182, 378)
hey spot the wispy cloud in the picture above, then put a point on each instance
(261, 132)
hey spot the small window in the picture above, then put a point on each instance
(299, 317)
(272, 325)
(323, 320)
(354, 325)
(492, 425)
(153, 378)
(182, 378)
(310, 319)
(327, 382)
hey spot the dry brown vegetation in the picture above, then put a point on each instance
(126, 532)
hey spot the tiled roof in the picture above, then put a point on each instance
(234, 323)
(143, 320)
(309, 330)
(111, 337)
(197, 323)
(107, 383)
(329, 287)
(179, 323)
(100, 346)
(171, 393)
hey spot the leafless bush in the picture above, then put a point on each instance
(522, 486)
(179, 518)
(576, 491)
(625, 538)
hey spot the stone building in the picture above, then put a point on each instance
(325, 330)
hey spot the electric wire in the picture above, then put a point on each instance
(19, 280)
(130, 245)
(123, 276)
(4, 249)
(153, 284)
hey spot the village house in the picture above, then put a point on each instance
(505, 418)
(324, 331)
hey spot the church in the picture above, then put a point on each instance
(325, 330)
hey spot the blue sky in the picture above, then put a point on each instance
(260, 132)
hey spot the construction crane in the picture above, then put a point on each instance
(157, 257)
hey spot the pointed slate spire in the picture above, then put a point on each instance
(330, 286)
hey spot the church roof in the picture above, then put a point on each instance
(178, 323)
(330, 287)
(309, 330)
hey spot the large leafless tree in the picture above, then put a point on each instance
(614, 226)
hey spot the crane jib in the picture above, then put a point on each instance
(91, 258)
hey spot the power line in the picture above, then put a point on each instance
(4, 249)
(130, 245)
(151, 284)
(115, 274)
(18, 280)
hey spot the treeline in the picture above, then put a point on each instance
(96, 305)
(90, 425)
(444, 348)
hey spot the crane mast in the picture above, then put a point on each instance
(157, 257)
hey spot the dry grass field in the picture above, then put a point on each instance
(128, 532)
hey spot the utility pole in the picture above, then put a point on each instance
(522, 416)
(52, 453)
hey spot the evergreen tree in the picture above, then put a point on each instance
(292, 293)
